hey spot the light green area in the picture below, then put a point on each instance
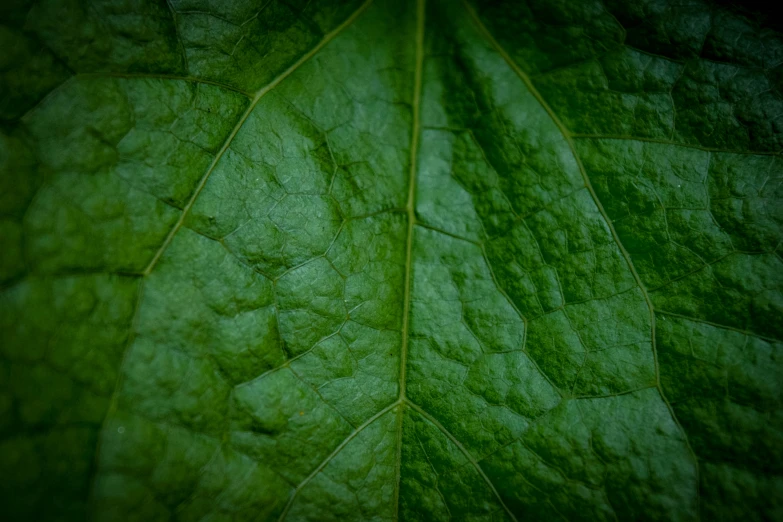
(401, 260)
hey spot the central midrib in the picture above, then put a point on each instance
(410, 210)
(410, 206)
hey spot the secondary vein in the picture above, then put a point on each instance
(421, 411)
(334, 453)
(256, 98)
(570, 142)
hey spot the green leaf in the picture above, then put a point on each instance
(400, 259)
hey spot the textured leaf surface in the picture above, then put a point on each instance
(499, 260)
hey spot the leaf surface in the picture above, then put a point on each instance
(417, 260)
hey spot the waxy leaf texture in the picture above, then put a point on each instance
(333, 260)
